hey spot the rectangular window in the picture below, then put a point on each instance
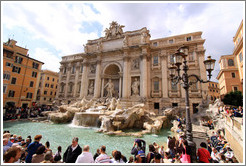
(188, 38)
(56, 86)
(174, 87)
(6, 76)
(240, 57)
(55, 93)
(29, 95)
(45, 92)
(192, 56)
(13, 81)
(64, 70)
(51, 85)
(51, 93)
(155, 44)
(39, 84)
(156, 85)
(233, 75)
(9, 55)
(53, 79)
(48, 78)
(81, 69)
(170, 41)
(73, 69)
(16, 69)
(155, 61)
(235, 88)
(47, 85)
(44, 98)
(4, 88)
(11, 93)
(8, 64)
(171, 59)
(31, 83)
(34, 74)
(35, 65)
(18, 59)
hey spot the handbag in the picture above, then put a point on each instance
(185, 158)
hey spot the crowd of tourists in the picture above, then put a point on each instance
(231, 111)
(19, 150)
(217, 150)
(12, 113)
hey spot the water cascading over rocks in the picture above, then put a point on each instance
(109, 116)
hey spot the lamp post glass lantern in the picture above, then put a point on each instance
(179, 58)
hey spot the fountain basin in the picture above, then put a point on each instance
(87, 119)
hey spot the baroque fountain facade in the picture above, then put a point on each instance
(122, 80)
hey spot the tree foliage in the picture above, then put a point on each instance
(233, 98)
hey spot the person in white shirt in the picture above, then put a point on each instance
(85, 156)
(215, 155)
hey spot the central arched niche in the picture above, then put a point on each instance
(112, 72)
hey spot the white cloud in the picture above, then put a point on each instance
(51, 61)
(60, 23)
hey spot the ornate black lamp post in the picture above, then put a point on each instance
(179, 56)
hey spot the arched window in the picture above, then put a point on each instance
(230, 62)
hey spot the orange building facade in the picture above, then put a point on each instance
(238, 50)
(21, 75)
(47, 87)
(213, 90)
(229, 79)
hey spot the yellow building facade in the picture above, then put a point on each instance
(238, 50)
(20, 76)
(213, 90)
(47, 87)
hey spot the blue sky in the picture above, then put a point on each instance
(51, 30)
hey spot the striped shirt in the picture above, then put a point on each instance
(103, 158)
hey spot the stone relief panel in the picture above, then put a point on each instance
(135, 64)
(93, 68)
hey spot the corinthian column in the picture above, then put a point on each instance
(84, 80)
(76, 79)
(98, 78)
(126, 80)
(143, 82)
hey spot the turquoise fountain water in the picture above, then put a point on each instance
(62, 134)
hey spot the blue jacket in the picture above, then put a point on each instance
(31, 149)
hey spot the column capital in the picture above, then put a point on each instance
(143, 56)
(126, 58)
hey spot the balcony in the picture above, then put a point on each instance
(156, 93)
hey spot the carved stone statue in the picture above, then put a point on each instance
(143, 37)
(115, 30)
(135, 64)
(107, 33)
(91, 88)
(93, 68)
(125, 41)
(85, 48)
(135, 85)
(110, 88)
(99, 46)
